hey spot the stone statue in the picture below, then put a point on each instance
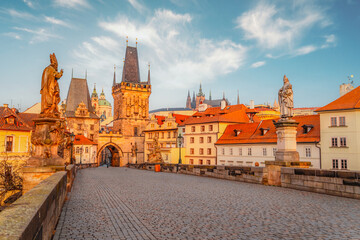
(50, 91)
(133, 150)
(155, 155)
(286, 101)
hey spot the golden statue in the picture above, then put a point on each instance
(50, 91)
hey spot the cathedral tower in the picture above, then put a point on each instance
(131, 98)
(188, 101)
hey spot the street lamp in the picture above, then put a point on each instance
(72, 138)
(180, 141)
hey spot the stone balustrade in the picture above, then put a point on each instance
(333, 182)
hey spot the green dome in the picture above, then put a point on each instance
(104, 102)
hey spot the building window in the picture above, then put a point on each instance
(150, 135)
(152, 125)
(86, 150)
(191, 139)
(92, 127)
(203, 128)
(334, 142)
(209, 151)
(200, 161)
(343, 142)
(223, 151)
(174, 134)
(183, 130)
(208, 162)
(91, 136)
(79, 126)
(335, 164)
(9, 143)
(231, 151)
(343, 164)
(308, 152)
(193, 129)
(162, 135)
(157, 135)
(274, 151)
(209, 139)
(191, 161)
(135, 131)
(249, 152)
(169, 124)
(191, 151)
(240, 151)
(201, 139)
(201, 151)
(210, 128)
(341, 121)
(264, 152)
(333, 122)
(77, 150)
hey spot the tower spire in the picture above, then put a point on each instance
(210, 95)
(114, 82)
(238, 98)
(224, 95)
(148, 81)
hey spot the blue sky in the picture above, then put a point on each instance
(225, 45)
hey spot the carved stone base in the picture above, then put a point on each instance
(32, 176)
(44, 162)
(288, 156)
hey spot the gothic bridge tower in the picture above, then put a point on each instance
(131, 98)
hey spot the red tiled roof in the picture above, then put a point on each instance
(232, 113)
(351, 100)
(82, 140)
(160, 119)
(22, 121)
(251, 132)
(180, 119)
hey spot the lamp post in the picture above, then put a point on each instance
(72, 138)
(81, 150)
(180, 140)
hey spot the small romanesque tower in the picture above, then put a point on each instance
(131, 98)
(188, 100)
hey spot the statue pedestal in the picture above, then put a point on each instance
(48, 135)
(286, 154)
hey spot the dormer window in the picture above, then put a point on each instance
(10, 120)
(264, 131)
(307, 128)
(237, 132)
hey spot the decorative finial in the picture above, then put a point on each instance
(238, 97)
(149, 65)
(127, 40)
(136, 42)
(123, 59)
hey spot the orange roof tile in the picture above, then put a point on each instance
(180, 119)
(22, 121)
(82, 140)
(160, 119)
(232, 113)
(351, 100)
(251, 132)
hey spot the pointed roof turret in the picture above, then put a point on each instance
(200, 93)
(210, 95)
(148, 81)
(94, 93)
(238, 97)
(114, 82)
(131, 71)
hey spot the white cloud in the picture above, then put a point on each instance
(271, 28)
(39, 35)
(19, 14)
(56, 21)
(304, 50)
(330, 40)
(258, 64)
(29, 3)
(13, 35)
(139, 7)
(72, 3)
(179, 58)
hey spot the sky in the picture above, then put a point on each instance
(227, 46)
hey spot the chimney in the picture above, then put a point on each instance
(251, 104)
(223, 104)
(6, 105)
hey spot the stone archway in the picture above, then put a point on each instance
(110, 152)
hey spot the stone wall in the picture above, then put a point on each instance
(34, 215)
(235, 173)
(332, 182)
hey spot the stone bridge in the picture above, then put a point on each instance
(124, 203)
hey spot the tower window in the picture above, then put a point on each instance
(135, 131)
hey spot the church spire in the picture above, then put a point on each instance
(131, 71)
(210, 95)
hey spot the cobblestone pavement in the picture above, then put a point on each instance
(121, 203)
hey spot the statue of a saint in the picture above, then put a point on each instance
(286, 101)
(50, 91)
(133, 150)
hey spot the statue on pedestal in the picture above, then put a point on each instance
(50, 91)
(155, 155)
(286, 100)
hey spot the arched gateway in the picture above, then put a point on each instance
(110, 153)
